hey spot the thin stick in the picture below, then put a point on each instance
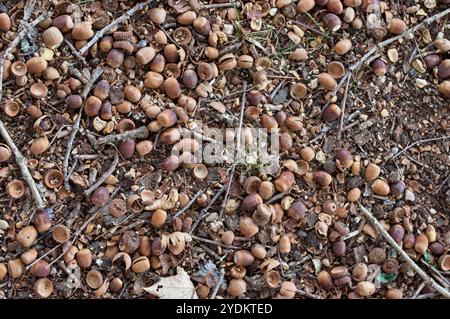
(313, 30)
(419, 289)
(140, 132)
(307, 294)
(20, 159)
(427, 279)
(213, 242)
(420, 142)
(121, 19)
(104, 176)
(219, 283)
(188, 205)
(209, 251)
(220, 5)
(238, 146)
(205, 210)
(75, 52)
(344, 100)
(43, 256)
(94, 76)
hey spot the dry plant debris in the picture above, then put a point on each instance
(105, 106)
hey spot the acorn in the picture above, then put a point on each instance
(144, 147)
(82, 31)
(325, 280)
(359, 272)
(331, 113)
(285, 181)
(396, 26)
(61, 233)
(394, 293)
(52, 38)
(380, 187)
(40, 269)
(63, 22)
(372, 172)
(227, 237)
(397, 188)
(343, 46)
(322, 178)
(15, 189)
(100, 197)
(297, 210)
(327, 81)
(437, 248)
(42, 221)
(353, 195)
(106, 43)
(84, 258)
(443, 70)
(365, 288)
(335, 6)
(305, 5)
(332, 22)
(5, 152)
(157, 15)
(248, 227)
(432, 60)
(288, 289)
(171, 163)
(36, 65)
(153, 80)
(237, 287)
(284, 245)
(140, 264)
(338, 248)
(172, 88)
(243, 258)
(444, 88)
(27, 236)
(145, 55)
(186, 18)
(5, 22)
(409, 241)
(251, 202)
(329, 207)
(43, 288)
(127, 148)
(379, 67)
(397, 232)
(115, 58)
(202, 25)
(344, 157)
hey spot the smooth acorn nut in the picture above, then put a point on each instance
(27, 236)
(84, 258)
(338, 248)
(394, 293)
(248, 227)
(332, 22)
(329, 207)
(365, 288)
(172, 88)
(42, 221)
(421, 244)
(397, 188)
(325, 280)
(43, 288)
(237, 287)
(39, 145)
(372, 172)
(167, 118)
(353, 195)
(115, 58)
(331, 113)
(380, 187)
(432, 60)
(397, 232)
(158, 63)
(153, 80)
(288, 289)
(144, 147)
(297, 210)
(343, 46)
(243, 258)
(82, 31)
(15, 189)
(61, 233)
(92, 106)
(94, 279)
(305, 5)
(186, 18)
(127, 148)
(100, 197)
(140, 264)
(437, 248)
(285, 181)
(379, 67)
(15, 268)
(339, 272)
(106, 44)
(352, 3)
(254, 97)
(158, 218)
(443, 70)
(145, 55)
(322, 178)
(327, 81)
(266, 190)
(251, 202)
(74, 101)
(227, 237)
(202, 25)
(396, 26)
(36, 65)
(171, 163)
(284, 245)
(52, 38)
(444, 88)
(116, 285)
(171, 53)
(40, 269)
(359, 272)
(5, 152)
(3, 271)
(157, 15)
(5, 22)
(298, 91)
(101, 90)
(190, 79)
(63, 22)
(259, 251)
(409, 240)
(27, 258)
(335, 6)
(344, 157)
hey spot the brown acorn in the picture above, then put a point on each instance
(100, 197)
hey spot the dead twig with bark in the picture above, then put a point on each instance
(420, 142)
(380, 229)
(140, 132)
(104, 176)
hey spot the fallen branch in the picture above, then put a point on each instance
(94, 76)
(104, 176)
(20, 159)
(380, 229)
(119, 20)
(140, 132)
(238, 146)
(420, 142)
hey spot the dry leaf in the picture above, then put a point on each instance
(179, 286)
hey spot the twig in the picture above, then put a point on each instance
(75, 52)
(230, 48)
(219, 283)
(104, 176)
(307, 294)
(20, 159)
(205, 210)
(427, 279)
(275, 198)
(420, 142)
(209, 251)
(121, 19)
(141, 132)
(238, 146)
(188, 205)
(214, 242)
(94, 76)
(313, 30)
(418, 290)
(43, 256)
(235, 4)
(344, 100)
